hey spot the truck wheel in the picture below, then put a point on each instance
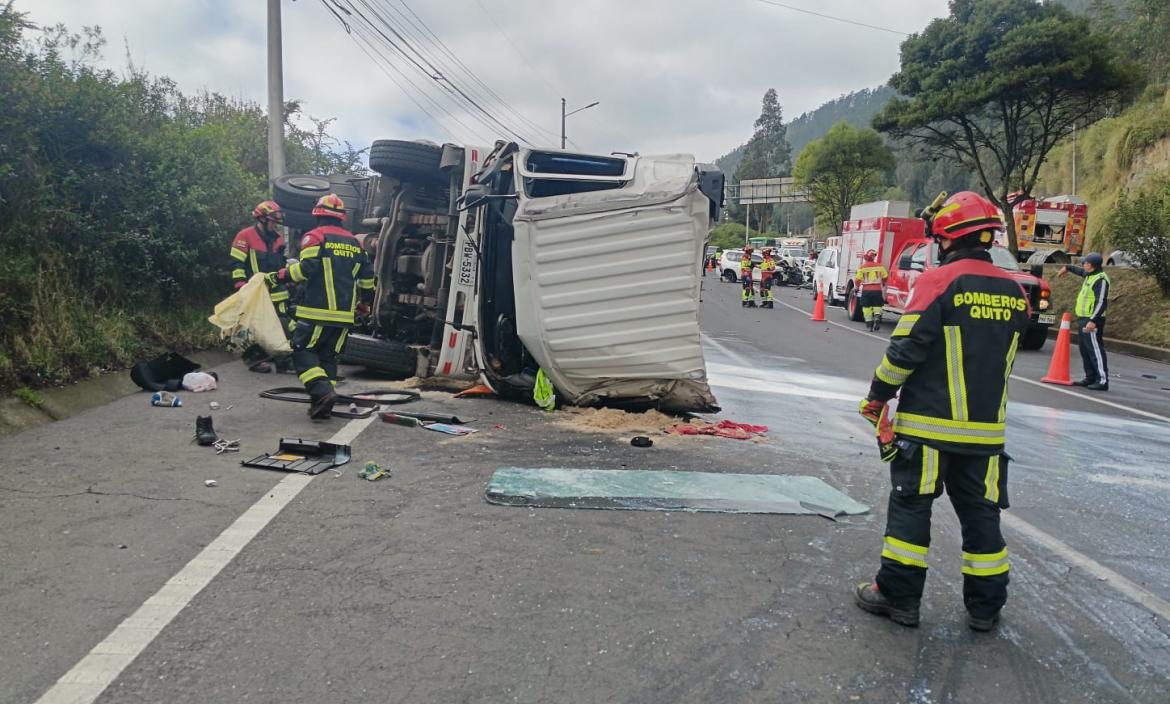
(299, 191)
(406, 160)
(388, 356)
(1034, 338)
(301, 220)
(853, 305)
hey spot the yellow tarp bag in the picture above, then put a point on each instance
(247, 317)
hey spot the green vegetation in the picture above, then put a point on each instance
(118, 198)
(30, 398)
(1139, 225)
(995, 85)
(1137, 308)
(729, 235)
(842, 169)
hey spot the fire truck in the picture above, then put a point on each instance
(904, 249)
(1050, 230)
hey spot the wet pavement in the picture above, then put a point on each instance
(414, 589)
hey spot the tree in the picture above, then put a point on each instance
(842, 169)
(995, 85)
(767, 153)
(1139, 225)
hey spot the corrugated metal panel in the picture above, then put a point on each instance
(614, 298)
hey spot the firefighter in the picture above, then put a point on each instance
(333, 269)
(259, 248)
(871, 280)
(745, 275)
(767, 276)
(949, 357)
(1092, 301)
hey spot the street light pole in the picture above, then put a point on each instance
(574, 112)
(275, 94)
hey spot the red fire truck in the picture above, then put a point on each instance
(1051, 230)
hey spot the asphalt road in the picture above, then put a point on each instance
(413, 589)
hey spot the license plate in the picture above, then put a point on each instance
(1047, 319)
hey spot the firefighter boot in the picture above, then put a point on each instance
(204, 432)
(869, 325)
(981, 623)
(322, 408)
(867, 596)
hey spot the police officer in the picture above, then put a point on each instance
(949, 357)
(332, 269)
(767, 278)
(870, 280)
(1092, 302)
(745, 276)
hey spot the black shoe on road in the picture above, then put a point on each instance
(1097, 386)
(322, 408)
(983, 624)
(204, 432)
(867, 596)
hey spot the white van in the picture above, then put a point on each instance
(825, 273)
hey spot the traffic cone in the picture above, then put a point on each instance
(819, 309)
(1058, 367)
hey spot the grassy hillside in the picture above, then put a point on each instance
(1113, 155)
(1137, 310)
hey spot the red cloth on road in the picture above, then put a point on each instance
(723, 429)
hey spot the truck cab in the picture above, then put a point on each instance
(916, 257)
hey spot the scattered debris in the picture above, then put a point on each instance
(372, 472)
(165, 399)
(214, 405)
(723, 429)
(304, 456)
(479, 391)
(449, 429)
(210, 483)
(222, 446)
(396, 419)
(641, 441)
(650, 490)
(205, 431)
(543, 393)
(198, 382)
(163, 373)
(1149, 376)
(615, 420)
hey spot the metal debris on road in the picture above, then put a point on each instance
(651, 490)
(304, 456)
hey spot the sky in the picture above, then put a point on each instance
(669, 75)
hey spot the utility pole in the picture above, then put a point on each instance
(275, 94)
(1074, 160)
(574, 112)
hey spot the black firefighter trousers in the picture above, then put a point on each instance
(1092, 345)
(977, 486)
(314, 352)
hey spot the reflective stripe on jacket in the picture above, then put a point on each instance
(252, 253)
(871, 275)
(951, 354)
(1093, 297)
(332, 267)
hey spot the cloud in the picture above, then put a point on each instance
(670, 75)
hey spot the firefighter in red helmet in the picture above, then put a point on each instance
(745, 276)
(948, 360)
(870, 281)
(334, 272)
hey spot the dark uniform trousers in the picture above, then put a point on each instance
(315, 349)
(977, 486)
(1092, 346)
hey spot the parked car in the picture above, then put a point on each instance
(729, 263)
(499, 262)
(825, 274)
(1120, 257)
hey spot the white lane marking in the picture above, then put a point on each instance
(86, 681)
(1042, 385)
(1154, 603)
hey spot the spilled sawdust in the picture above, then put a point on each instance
(614, 420)
(435, 383)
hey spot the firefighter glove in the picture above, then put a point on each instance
(871, 410)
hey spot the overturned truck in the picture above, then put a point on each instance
(498, 262)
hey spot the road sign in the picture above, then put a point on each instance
(760, 191)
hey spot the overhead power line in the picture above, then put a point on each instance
(830, 17)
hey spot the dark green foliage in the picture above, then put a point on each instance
(1140, 225)
(118, 199)
(997, 84)
(844, 168)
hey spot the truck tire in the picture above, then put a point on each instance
(301, 220)
(406, 160)
(853, 305)
(387, 356)
(299, 191)
(1034, 338)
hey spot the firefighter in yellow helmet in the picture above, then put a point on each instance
(767, 276)
(949, 360)
(259, 249)
(870, 282)
(334, 273)
(745, 276)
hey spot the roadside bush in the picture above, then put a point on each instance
(1140, 225)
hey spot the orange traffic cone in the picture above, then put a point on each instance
(819, 309)
(1058, 367)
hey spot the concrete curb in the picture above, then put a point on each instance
(1136, 349)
